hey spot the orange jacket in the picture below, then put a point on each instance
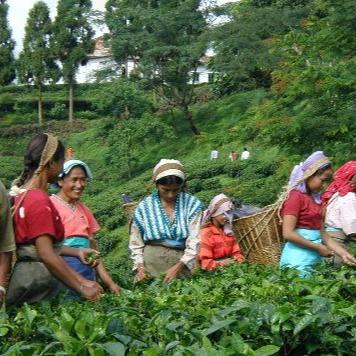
(214, 245)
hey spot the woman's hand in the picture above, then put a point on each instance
(115, 288)
(173, 272)
(90, 291)
(91, 284)
(348, 259)
(324, 251)
(226, 261)
(84, 255)
(141, 274)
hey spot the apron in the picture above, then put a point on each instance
(159, 259)
(301, 258)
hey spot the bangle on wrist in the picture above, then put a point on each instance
(2, 289)
(82, 286)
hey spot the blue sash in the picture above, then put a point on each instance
(77, 242)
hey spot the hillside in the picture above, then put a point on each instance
(256, 181)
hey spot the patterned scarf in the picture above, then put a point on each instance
(342, 181)
(306, 169)
(153, 222)
(220, 204)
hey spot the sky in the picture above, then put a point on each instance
(18, 12)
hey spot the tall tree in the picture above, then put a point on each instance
(72, 40)
(36, 64)
(242, 45)
(7, 61)
(315, 84)
(165, 38)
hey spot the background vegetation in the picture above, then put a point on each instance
(286, 87)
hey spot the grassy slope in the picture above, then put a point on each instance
(221, 122)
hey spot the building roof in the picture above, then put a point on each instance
(101, 50)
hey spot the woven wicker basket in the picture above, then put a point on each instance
(260, 236)
(129, 209)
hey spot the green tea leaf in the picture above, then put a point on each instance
(114, 348)
(217, 326)
(303, 323)
(267, 350)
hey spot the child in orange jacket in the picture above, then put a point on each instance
(218, 244)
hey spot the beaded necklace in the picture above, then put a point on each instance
(72, 207)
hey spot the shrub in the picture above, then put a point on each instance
(58, 112)
(86, 115)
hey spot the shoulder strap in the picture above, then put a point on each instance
(16, 206)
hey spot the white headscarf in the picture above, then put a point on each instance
(168, 167)
(220, 204)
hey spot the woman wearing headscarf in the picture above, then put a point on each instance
(164, 233)
(79, 222)
(302, 214)
(39, 269)
(340, 213)
(218, 246)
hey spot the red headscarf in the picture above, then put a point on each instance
(342, 181)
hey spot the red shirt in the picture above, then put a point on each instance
(215, 244)
(36, 216)
(303, 206)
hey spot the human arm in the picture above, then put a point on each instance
(57, 266)
(7, 242)
(80, 253)
(106, 278)
(333, 245)
(103, 274)
(5, 267)
(136, 246)
(289, 234)
(192, 243)
(236, 253)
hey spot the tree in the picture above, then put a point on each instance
(36, 64)
(313, 91)
(128, 141)
(121, 99)
(242, 45)
(72, 40)
(7, 62)
(165, 40)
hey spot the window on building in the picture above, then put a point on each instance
(211, 77)
(196, 77)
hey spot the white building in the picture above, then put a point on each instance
(101, 59)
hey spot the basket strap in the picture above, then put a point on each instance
(16, 207)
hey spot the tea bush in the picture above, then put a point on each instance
(240, 310)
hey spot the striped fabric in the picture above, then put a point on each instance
(153, 222)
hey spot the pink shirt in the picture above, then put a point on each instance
(341, 212)
(78, 221)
